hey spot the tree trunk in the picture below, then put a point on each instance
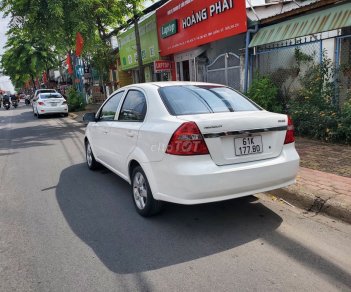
(33, 81)
(138, 47)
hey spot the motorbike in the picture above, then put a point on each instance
(15, 103)
(7, 105)
(27, 101)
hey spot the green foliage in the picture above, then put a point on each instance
(327, 125)
(314, 110)
(26, 57)
(101, 58)
(264, 92)
(344, 123)
(301, 57)
(75, 100)
(51, 25)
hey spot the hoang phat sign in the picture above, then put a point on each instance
(185, 24)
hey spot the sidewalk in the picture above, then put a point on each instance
(323, 183)
(78, 116)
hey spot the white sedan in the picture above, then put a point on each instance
(190, 143)
(49, 103)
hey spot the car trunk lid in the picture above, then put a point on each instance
(53, 101)
(237, 137)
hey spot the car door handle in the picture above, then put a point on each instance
(130, 134)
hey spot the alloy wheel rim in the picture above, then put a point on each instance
(89, 155)
(140, 190)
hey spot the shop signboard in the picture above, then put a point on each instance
(186, 24)
(149, 44)
(162, 66)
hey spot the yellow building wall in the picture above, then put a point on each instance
(124, 77)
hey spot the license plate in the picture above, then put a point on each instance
(54, 104)
(248, 145)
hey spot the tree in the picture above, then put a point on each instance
(52, 25)
(26, 58)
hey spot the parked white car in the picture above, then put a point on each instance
(49, 103)
(190, 143)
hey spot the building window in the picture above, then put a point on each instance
(152, 51)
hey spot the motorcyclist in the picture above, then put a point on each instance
(6, 98)
(14, 99)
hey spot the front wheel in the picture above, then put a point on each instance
(143, 199)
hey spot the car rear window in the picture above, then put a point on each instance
(50, 95)
(190, 99)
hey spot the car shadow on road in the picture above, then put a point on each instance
(99, 209)
(35, 136)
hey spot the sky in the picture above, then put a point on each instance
(5, 82)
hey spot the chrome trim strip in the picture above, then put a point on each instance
(232, 133)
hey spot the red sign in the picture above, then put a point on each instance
(162, 66)
(198, 22)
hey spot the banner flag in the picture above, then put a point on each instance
(69, 64)
(79, 44)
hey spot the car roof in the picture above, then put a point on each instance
(47, 90)
(171, 83)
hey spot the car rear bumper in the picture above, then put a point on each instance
(53, 110)
(197, 179)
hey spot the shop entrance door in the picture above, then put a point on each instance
(186, 71)
(183, 71)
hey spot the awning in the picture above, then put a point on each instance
(321, 21)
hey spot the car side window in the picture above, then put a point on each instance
(109, 109)
(134, 107)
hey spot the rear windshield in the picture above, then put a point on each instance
(191, 99)
(46, 90)
(50, 95)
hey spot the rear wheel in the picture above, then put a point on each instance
(143, 199)
(91, 162)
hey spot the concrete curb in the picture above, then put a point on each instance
(336, 207)
(72, 116)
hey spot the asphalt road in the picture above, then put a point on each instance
(65, 228)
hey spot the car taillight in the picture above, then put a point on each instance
(289, 136)
(187, 140)
(40, 103)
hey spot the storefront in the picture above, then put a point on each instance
(149, 51)
(191, 32)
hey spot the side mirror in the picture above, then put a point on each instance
(89, 117)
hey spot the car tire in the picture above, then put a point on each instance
(143, 199)
(65, 115)
(89, 155)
